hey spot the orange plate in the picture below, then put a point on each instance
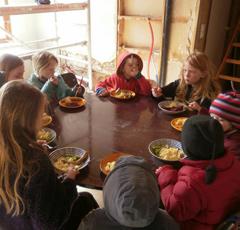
(46, 119)
(72, 102)
(178, 123)
(122, 94)
(109, 158)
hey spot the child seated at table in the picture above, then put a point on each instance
(131, 200)
(31, 195)
(206, 188)
(226, 109)
(196, 86)
(44, 64)
(11, 68)
(128, 76)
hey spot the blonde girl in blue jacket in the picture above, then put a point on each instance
(44, 64)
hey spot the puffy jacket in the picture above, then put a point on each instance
(194, 204)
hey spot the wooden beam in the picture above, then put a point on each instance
(138, 49)
(36, 9)
(236, 44)
(233, 61)
(229, 78)
(139, 17)
(179, 19)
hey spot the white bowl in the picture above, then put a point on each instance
(165, 103)
(69, 150)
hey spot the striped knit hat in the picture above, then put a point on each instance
(227, 106)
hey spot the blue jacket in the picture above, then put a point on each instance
(53, 92)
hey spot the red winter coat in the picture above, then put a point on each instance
(140, 86)
(194, 204)
(232, 142)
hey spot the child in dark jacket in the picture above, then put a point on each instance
(131, 200)
(31, 195)
(226, 109)
(196, 86)
(206, 189)
(128, 76)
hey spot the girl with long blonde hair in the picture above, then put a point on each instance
(31, 196)
(196, 85)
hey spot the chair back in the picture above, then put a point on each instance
(70, 79)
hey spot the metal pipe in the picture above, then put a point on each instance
(29, 54)
(165, 42)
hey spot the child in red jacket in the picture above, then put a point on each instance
(226, 109)
(206, 189)
(128, 76)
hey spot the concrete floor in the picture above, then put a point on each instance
(98, 195)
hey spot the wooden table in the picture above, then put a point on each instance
(106, 125)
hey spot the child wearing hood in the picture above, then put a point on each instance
(226, 109)
(131, 200)
(206, 189)
(128, 76)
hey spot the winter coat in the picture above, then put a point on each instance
(131, 200)
(140, 85)
(194, 204)
(53, 92)
(232, 142)
(48, 202)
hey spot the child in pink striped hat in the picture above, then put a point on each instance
(226, 109)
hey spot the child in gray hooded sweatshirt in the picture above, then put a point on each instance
(131, 200)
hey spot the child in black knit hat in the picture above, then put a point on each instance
(190, 194)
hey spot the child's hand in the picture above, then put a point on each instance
(157, 92)
(54, 80)
(194, 106)
(71, 173)
(103, 94)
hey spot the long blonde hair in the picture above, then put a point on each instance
(19, 108)
(208, 87)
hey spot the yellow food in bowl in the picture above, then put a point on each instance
(168, 153)
(67, 160)
(110, 166)
(44, 135)
(180, 122)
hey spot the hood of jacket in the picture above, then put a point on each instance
(121, 60)
(131, 193)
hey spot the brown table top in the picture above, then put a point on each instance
(106, 125)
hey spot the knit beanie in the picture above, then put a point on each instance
(201, 135)
(227, 106)
(203, 139)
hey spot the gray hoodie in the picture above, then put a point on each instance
(131, 200)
